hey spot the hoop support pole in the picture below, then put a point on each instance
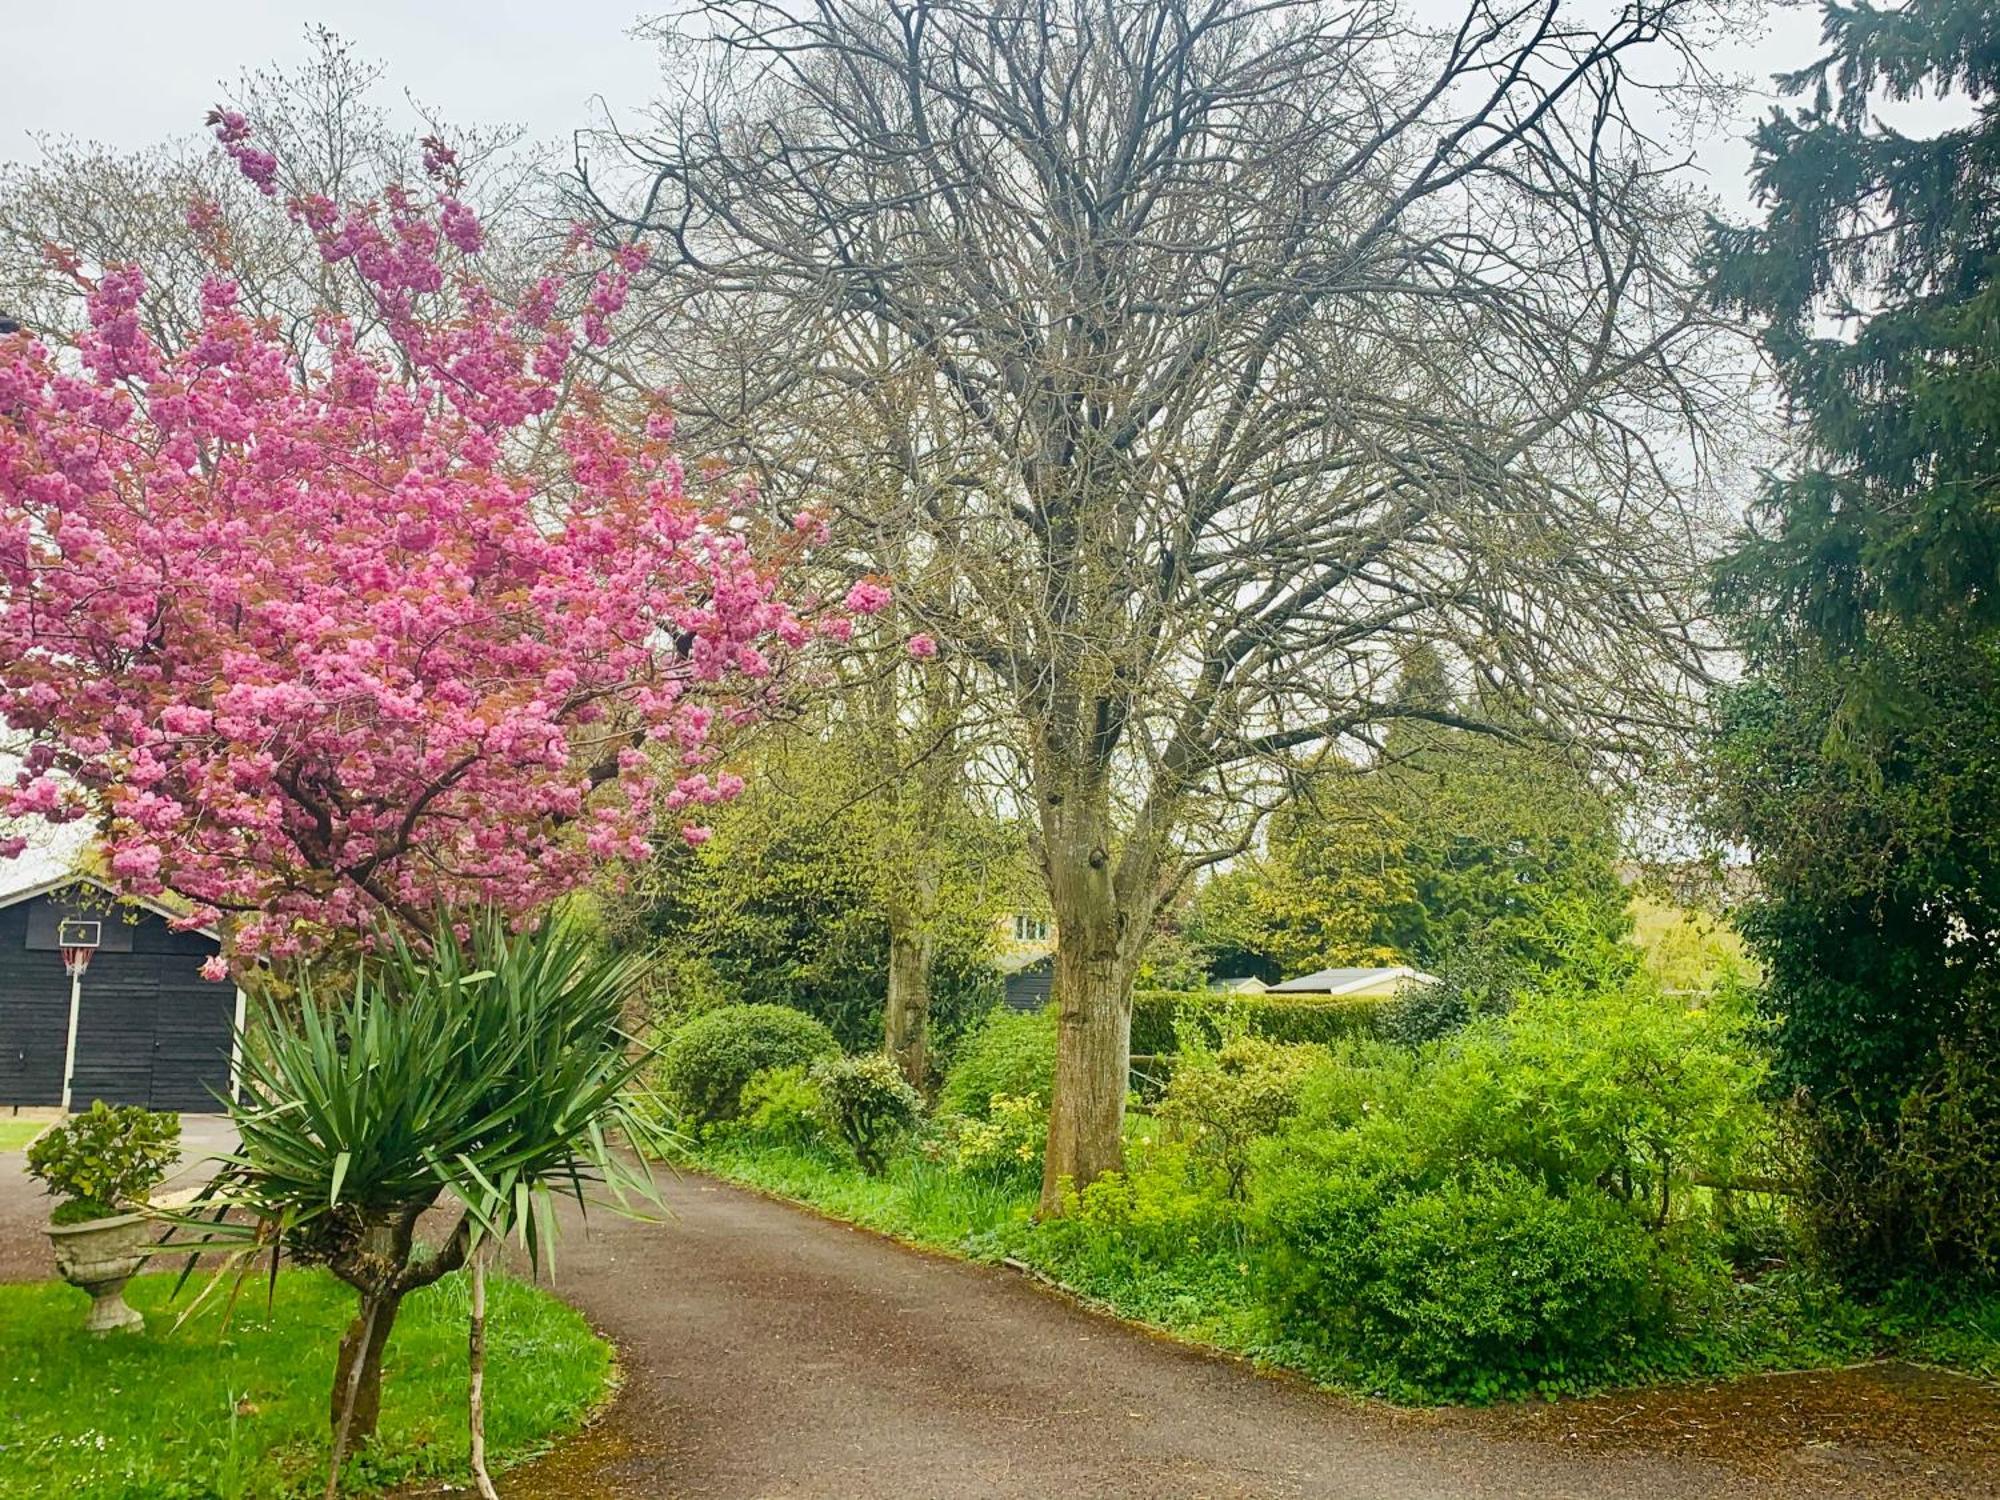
(69, 1048)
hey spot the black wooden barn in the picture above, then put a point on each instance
(150, 1030)
(1030, 986)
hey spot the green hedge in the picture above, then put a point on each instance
(703, 1066)
(1281, 1018)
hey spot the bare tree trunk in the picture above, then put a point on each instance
(476, 1384)
(906, 1015)
(1093, 998)
(1093, 1060)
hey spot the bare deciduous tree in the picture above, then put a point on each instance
(1259, 341)
(332, 137)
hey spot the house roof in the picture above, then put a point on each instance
(1247, 985)
(15, 895)
(1349, 981)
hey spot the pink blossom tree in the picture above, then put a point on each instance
(377, 632)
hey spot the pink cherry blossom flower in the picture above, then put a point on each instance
(922, 647)
(215, 967)
(312, 644)
(460, 225)
(867, 597)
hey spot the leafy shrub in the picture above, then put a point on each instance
(1473, 1287)
(1010, 1052)
(781, 1105)
(704, 1065)
(1156, 1015)
(1513, 1207)
(1599, 1080)
(1220, 1103)
(867, 1103)
(105, 1160)
(1357, 1080)
(1007, 1144)
(1476, 979)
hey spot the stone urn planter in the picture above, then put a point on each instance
(100, 1256)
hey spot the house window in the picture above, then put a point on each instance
(1031, 929)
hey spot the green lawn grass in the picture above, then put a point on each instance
(15, 1134)
(208, 1412)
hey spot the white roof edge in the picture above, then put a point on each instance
(1375, 977)
(57, 882)
(1367, 980)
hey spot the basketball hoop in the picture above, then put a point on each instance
(78, 938)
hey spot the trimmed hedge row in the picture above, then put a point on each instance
(1280, 1018)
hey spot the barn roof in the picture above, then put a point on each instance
(48, 885)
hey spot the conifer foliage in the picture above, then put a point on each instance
(1855, 760)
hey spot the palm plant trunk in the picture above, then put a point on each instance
(364, 1352)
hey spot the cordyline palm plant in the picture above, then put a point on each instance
(489, 1070)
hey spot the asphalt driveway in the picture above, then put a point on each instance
(770, 1354)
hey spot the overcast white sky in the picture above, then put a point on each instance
(134, 72)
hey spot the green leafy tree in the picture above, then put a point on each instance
(790, 901)
(1455, 839)
(1857, 760)
(1224, 926)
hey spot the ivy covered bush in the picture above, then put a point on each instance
(105, 1161)
(1475, 979)
(704, 1065)
(866, 1102)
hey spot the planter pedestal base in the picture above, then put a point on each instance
(99, 1256)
